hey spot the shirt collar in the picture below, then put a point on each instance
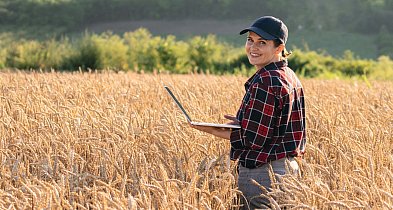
(275, 65)
(269, 67)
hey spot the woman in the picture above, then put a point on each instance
(272, 113)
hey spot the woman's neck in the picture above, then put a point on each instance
(276, 58)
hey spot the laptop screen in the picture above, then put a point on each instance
(178, 103)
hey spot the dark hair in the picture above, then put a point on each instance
(284, 53)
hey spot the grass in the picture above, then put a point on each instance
(116, 140)
(40, 33)
(336, 43)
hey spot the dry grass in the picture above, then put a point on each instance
(117, 141)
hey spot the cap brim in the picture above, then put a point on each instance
(258, 31)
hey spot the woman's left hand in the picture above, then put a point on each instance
(232, 118)
(219, 132)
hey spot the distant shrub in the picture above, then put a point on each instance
(37, 55)
(349, 66)
(24, 55)
(237, 64)
(86, 55)
(149, 53)
(383, 69)
(113, 51)
(310, 63)
(55, 53)
(141, 52)
(203, 52)
(172, 55)
(99, 52)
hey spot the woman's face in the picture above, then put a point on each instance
(261, 52)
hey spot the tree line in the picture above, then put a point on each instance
(364, 16)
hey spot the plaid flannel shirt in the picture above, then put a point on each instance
(272, 117)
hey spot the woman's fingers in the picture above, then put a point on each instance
(231, 117)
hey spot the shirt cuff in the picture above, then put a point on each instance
(236, 139)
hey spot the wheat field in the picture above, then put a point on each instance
(117, 141)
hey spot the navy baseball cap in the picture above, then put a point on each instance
(269, 28)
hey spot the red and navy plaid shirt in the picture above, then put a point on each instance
(272, 117)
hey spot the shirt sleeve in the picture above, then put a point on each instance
(258, 121)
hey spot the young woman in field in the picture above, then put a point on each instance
(271, 115)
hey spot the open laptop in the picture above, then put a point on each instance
(197, 123)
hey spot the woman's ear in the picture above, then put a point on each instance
(280, 48)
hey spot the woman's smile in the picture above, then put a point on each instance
(260, 52)
(255, 54)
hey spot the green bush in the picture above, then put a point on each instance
(354, 67)
(85, 56)
(24, 55)
(37, 55)
(99, 52)
(203, 52)
(310, 63)
(141, 52)
(113, 51)
(149, 53)
(383, 69)
(55, 53)
(237, 64)
(172, 55)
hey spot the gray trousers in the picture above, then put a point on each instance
(251, 191)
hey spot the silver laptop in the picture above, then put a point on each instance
(197, 123)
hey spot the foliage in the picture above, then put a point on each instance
(99, 52)
(112, 51)
(86, 56)
(203, 51)
(383, 69)
(53, 18)
(238, 64)
(24, 55)
(37, 55)
(141, 51)
(71, 14)
(309, 64)
(155, 53)
(312, 64)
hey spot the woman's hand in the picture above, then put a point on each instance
(219, 132)
(233, 119)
